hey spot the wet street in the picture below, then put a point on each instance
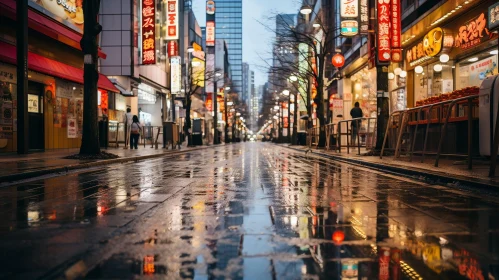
(246, 211)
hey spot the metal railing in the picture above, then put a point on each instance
(151, 133)
(367, 134)
(313, 135)
(426, 115)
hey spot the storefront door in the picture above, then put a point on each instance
(35, 116)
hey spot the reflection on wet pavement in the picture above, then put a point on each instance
(246, 211)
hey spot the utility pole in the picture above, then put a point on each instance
(22, 77)
(88, 43)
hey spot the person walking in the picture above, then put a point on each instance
(356, 112)
(128, 120)
(135, 129)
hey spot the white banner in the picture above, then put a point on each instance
(172, 20)
(349, 8)
(176, 75)
(210, 69)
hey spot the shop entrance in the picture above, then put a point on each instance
(35, 116)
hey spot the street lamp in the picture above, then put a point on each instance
(190, 49)
(285, 92)
(215, 110)
(306, 10)
(316, 25)
(293, 78)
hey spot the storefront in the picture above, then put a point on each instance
(363, 90)
(452, 58)
(55, 86)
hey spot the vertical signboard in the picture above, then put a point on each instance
(364, 17)
(172, 49)
(349, 13)
(210, 33)
(210, 69)
(176, 74)
(148, 32)
(384, 33)
(172, 20)
(396, 32)
(210, 7)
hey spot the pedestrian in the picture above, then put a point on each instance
(356, 112)
(128, 120)
(135, 129)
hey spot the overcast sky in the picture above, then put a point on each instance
(256, 39)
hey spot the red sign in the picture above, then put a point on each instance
(148, 32)
(384, 263)
(172, 48)
(396, 25)
(172, 20)
(338, 60)
(384, 32)
(210, 33)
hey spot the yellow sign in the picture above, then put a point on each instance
(431, 46)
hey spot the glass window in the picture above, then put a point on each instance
(435, 79)
(473, 70)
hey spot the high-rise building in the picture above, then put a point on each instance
(229, 27)
(245, 93)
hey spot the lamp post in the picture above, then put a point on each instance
(216, 141)
(294, 140)
(226, 128)
(287, 94)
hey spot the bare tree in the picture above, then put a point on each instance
(313, 45)
(194, 84)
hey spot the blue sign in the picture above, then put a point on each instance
(494, 16)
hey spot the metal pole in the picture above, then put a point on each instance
(215, 114)
(294, 140)
(470, 131)
(22, 77)
(226, 128)
(289, 119)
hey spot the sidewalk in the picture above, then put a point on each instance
(449, 170)
(15, 167)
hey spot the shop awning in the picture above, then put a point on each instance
(51, 67)
(122, 90)
(46, 26)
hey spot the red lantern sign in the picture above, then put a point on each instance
(338, 236)
(338, 60)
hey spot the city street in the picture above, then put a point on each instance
(246, 211)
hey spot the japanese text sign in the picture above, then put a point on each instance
(176, 74)
(172, 48)
(473, 33)
(172, 20)
(349, 12)
(210, 33)
(148, 32)
(364, 17)
(349, 8)
(384, 32)
(396, 24)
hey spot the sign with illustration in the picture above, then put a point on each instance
(473, 74)
(72, 128)
(68, 12)
(433, 43)
(349, 13)
(493, 22)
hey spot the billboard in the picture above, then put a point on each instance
(69, 13)
(210, 33)
(148, 32)
(172, 20)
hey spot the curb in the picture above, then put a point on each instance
(12, 178)
(441, 177)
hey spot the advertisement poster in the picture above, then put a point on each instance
(79, 115)
(64, 112)
(68, 12)
(33, 103)
(64, 89)
(58, 112)
(473, 74)
(7, 109)
(72, 128)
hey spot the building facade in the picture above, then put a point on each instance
(246, 89)
(229, 27)
(55, 79)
